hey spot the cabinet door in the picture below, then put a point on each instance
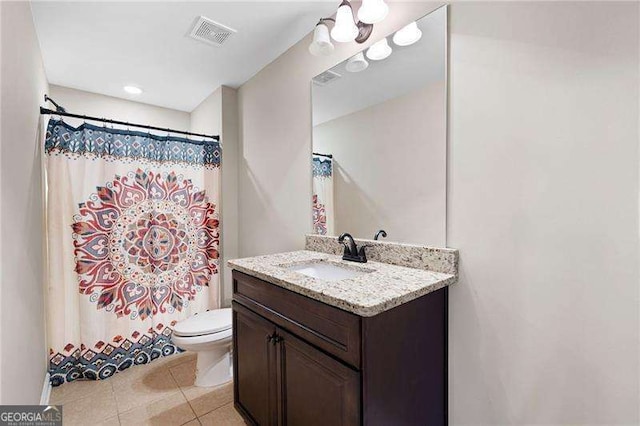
(254, 366)
(315, 389)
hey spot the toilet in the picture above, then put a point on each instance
(208, 334)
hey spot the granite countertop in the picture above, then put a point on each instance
(385, 286)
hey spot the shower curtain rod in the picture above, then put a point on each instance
(323, 155)
(62, 112)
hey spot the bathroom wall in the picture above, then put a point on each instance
(218, 114)
(275, 133)
(87, 103)
(542, 202)
(402, 138)
(23, 355)
(543, 205)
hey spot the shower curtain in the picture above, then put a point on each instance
(132, 241)
(322, 208)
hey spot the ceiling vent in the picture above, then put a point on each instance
(210, 32)
(326, 78)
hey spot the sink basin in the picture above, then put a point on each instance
(327, 271)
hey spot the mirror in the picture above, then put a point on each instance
(379, 139)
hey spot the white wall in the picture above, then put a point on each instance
(93, 104)
(23, 360)
(218, 114)
(275, 133)
(389, 164)
(542, 203)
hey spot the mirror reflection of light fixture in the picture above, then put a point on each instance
(321, 44)
(357, 63)
(379, 50)
(407, 35)
(345, 29)
(373, 11)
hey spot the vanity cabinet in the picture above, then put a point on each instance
(298, 361)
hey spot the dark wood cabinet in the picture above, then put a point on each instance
(298, 361)
(315, 389)
(256, 379)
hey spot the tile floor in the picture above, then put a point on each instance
(159, 393)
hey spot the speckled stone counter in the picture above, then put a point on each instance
(383, 287)
(436, 259)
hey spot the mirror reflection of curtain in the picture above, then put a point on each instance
(323, 217)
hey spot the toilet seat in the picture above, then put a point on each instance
(182, 341)
(209, 323)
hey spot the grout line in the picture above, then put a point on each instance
(184, 396)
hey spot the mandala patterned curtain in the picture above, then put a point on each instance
(322, 208)
(133, 240)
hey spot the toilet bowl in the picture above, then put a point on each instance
(209, 335)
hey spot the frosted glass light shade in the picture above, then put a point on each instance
(373, 11)
(321, 44)
(357, 63)
(407, 35)
(345, 30)
(379, 50)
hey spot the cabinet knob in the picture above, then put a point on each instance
(274, 338)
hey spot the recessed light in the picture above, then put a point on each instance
(133, 90)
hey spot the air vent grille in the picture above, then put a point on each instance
(326, 78)
(210, 32)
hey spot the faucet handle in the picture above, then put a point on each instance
(382, 233)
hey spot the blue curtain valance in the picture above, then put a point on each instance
(111, 144)
(322, 167)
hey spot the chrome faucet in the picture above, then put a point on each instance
(351, 252)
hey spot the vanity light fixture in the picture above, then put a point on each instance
(379, 50)
(132, 90)
(408, 35)
(321, 44)
(345, 28)
(357, 63)
(373, 11)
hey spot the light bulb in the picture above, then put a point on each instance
(379, 50)
(407, 35)
(357, 63)
(373, 11)
(321, 44)
(345, 29)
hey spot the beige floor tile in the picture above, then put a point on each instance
(137, 372)
(144, 389)
(223, 416)
(96, 408)
(111, 421)
(174, 410)
(177, 359)
(194, 422)
(77, 389)
(184, 374)
(203, 400)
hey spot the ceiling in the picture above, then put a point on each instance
(102, 46)
(405, 70)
